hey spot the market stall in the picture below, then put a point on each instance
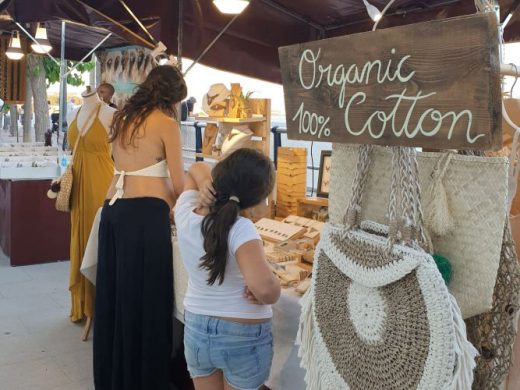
(433, 86)
(31, 230)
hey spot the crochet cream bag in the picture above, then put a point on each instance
(378, 314)
(464, 195)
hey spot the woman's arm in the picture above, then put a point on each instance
(171, 136)
(258, 276)
(198, 175)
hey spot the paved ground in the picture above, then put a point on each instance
(40, 349)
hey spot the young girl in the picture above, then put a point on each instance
(227, 336)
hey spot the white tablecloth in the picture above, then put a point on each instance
(286, 373)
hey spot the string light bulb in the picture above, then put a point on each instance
(43, 46)
(373, 12)
(14, 51)
(231, 7)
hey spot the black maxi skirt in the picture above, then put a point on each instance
(134, 296)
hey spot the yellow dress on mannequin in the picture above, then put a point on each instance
(93, 170)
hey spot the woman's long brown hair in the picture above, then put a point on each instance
(162, 90)
(248, 175)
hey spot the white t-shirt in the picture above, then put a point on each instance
(227, 299)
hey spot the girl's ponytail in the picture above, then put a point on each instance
(215, 230)
(242, 180)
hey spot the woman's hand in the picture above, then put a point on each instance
(250, 297)
(207, 194)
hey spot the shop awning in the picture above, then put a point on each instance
(250, 45)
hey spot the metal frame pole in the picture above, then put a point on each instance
(63, 83)
(88, 54)
(226, 27)
(180, 31)
(131, 13)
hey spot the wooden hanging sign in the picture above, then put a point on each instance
(434, 84)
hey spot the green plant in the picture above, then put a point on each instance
(247, 95)
(52, 71)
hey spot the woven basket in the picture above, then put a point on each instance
(378, 315)
(63, 198)
(476, 189)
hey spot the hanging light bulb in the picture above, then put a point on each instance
(44, 46)
(14, 52)
(233, 7)
(373, 12)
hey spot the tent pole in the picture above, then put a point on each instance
(226, 27)
(88, 54)
(118, 25)
(131, 13)
(63, 83)
(180, 31)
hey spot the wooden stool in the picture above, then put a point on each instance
(86, 330)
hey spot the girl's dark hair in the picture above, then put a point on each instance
(163, 88)
(247, 175)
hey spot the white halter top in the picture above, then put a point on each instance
(157, 170)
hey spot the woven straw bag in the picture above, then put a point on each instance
(474, 190)
(65, 181)
(378, 314)
(493, 333)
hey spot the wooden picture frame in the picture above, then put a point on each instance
(324, 175)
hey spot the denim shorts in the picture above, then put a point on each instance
(243, 352)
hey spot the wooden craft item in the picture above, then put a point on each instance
(286, 159)
(314, 208)
(290, 275)
(286, 164)
(278, 256)
(433, 84)
(210, 136)
(313, 227)
(308, 257)
(234, 101)
(274, 231)
(288, 151)
(291, 179)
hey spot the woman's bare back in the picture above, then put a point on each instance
(149, 148)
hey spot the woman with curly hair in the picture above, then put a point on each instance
(134, 302)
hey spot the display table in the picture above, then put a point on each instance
(31, 230)
(286, 373)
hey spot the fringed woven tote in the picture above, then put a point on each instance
(378, 314)
(475, 204)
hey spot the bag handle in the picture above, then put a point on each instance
(406, 221)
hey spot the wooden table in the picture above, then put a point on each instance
(31, 230)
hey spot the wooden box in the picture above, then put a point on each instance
(291, 179)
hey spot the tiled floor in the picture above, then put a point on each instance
(40, 349)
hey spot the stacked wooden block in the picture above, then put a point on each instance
(291, 180)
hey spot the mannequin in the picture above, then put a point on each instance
(93, 165)
(91, 101)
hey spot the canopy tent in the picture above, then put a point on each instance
(250, 45)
